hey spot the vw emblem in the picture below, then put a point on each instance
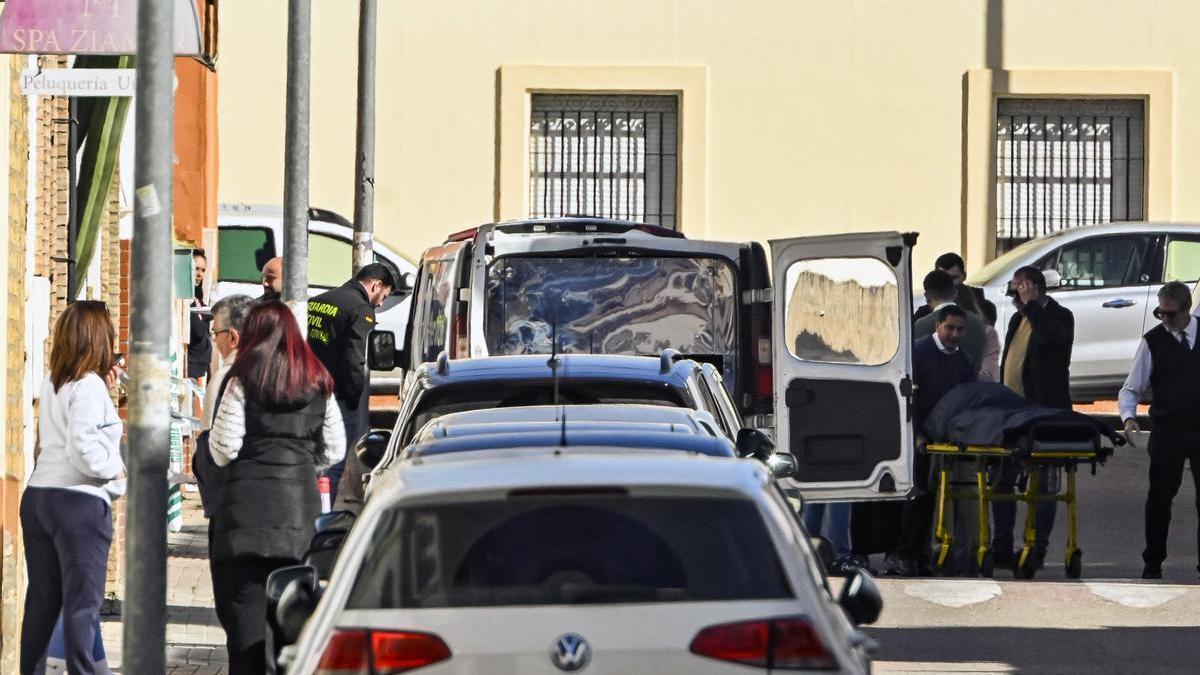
(570, 653)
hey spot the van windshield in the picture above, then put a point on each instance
(613, 305)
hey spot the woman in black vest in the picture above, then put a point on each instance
(276, 425)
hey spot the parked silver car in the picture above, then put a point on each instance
(550, 560)
(1108, 277)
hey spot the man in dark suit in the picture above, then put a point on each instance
(1037, 365)
(939, 365)
(967, 297)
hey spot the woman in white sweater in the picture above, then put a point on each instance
(66, 512)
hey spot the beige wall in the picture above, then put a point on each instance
(819, 116)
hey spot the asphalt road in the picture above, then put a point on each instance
(1110, 621)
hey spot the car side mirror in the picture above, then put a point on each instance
(323, 551)
(1053, 279)
(372, 446)
(783, 464)
(754, 443)
(404, 285)
(335, 520)
(860, 598)
(381, 350)
(292, 596)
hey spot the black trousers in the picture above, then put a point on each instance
(916, 529)
(1169, 449)
(356, 419)
(67, 535)
(239, 591)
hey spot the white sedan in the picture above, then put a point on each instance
(561, 561)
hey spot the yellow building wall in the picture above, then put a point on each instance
(819, 116)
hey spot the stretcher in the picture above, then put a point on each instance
(1040, 453)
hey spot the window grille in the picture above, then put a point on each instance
(614, 156)
(1063, 163)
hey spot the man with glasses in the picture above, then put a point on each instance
(1168, 362)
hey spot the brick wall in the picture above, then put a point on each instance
(112, 290)
(12, 574)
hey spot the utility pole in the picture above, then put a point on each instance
(364, 165)
(150, 291)
(295, 158)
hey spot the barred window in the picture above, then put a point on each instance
(1063, 163)
(613, 156)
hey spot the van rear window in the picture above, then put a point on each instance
(613, 305)
(568, 550)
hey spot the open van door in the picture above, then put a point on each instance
(843, 353)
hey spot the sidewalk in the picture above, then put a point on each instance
(195, 641)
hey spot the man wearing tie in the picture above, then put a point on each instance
(1167, 362)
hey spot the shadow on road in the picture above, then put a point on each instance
(1043, 649)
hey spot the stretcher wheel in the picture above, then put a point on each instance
(988, 567)
(1075, 565)
(1026, 566)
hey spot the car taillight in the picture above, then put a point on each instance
(764, 376)
(791, 644)
(351, 652)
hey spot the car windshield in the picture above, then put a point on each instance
(990, 270)
(567, 550)
(481, 396)
(613, 305)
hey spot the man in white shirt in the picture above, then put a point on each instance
(1168, 362)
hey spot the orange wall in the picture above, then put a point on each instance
(195, 185)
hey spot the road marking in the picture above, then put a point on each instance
(1139, 596)
(891, 667)
(954, 593)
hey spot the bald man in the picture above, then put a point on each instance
(272, 279)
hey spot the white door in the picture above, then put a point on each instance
(843, 353)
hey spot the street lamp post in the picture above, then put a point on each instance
(364, 165)
(295, 178)
(150, 290)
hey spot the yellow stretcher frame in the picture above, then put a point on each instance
(1037, 463)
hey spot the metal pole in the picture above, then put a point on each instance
(295, 172)
(150, 289)
(364, 166)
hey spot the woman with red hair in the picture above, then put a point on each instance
(276, 424)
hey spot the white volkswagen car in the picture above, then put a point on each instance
(1110, 275)
(565, 559)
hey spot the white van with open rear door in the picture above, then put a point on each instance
(843, 363)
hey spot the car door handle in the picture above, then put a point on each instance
(1119, 303)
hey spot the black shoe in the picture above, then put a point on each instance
(909, 567)
(1039, 558)
(1003, 557)
(1152, 571)
(924, 569)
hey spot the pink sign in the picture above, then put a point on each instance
(87, 27)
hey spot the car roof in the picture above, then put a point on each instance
(576, 233)
(631, 427)
(685, 418)
(570, 367)
(1043, 244)
(551, 468)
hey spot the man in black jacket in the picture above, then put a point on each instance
(967, 297)
(1037, 365)
(339, 322)
(1167, 361)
